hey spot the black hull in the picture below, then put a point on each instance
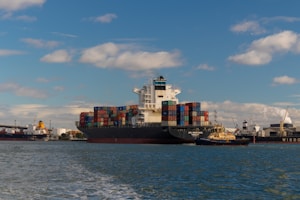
(23, 137)
(237, 142)
(130, 135)
(274, 139)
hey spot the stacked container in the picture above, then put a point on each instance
(169, 113)
(113, 115)
(194, 113)
(86, 119)
(103, 115)
(204, 118)
(172, 114)
(120, 118)
(188, 114)
(131, 112)
(182, 112)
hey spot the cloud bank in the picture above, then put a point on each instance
(7, 52)
(22, 91)
(284, 80)
(38, 43)
(128, 57)
(261, 51)
(14, 5)
(59, 56)
(248, 26)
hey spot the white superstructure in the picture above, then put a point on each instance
(33, 129)
(151, 97)
(252, 129)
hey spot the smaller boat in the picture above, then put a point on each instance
(37, 132)
(218, 136)
(30, 132)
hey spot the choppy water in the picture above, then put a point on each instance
(79, 170)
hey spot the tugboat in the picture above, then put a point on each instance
(218, 136)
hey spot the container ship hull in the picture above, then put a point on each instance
(138, 135)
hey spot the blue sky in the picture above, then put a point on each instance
(59, 58)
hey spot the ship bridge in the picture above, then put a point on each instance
(151, 97)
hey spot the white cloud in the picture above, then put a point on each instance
(255, 26)
(206, 67)
(10, 6)
(230, 113)
(14, 5)
(7, 52)
(10, 16)
(65, 35)
(23, 114)
(107, 18)
(280, 18)
(59, 88)
(59, 56)
(284, 80)
(40, 43)
(26, 18)
(128, 57)
(252, 57)
(61, 116)
(248, 26)
(280, 42)
(22, 91)
(42, 80)
(261, 51)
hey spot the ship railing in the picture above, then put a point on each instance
(191, 127)
(124, 126)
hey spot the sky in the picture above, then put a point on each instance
(240, 59)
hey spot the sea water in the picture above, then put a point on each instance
(80, 170)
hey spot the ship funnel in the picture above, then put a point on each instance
(41, 125)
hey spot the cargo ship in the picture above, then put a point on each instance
(158, 118)
(275, 133)
(30, 132)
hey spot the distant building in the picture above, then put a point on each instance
(57, 132)
(65, 134)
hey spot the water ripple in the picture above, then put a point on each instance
(67, 170)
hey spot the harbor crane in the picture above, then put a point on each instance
(281, 128)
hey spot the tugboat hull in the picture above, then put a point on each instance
(237, 142)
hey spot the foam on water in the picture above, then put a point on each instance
(87, 185)
(25, 175)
